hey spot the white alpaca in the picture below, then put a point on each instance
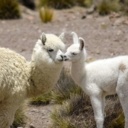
(20, 79)
(99, 78)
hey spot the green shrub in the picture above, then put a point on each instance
(9, 9)
(46, 14)
(59, 4)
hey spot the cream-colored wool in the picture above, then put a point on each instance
(20, 79)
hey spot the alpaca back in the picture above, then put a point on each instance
(12, 74)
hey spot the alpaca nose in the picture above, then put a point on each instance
(65, 58)
(62, 56)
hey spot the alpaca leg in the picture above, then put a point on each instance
(103, 106)
(6, 116)
(124, 103)
(97, 104)
(122, 92)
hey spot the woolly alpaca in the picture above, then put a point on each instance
(99, 78)
(20, 79)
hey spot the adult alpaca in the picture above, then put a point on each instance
(20, 79)
(99, 78)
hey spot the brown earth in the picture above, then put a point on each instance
(105, 37)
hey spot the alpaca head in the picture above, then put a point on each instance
(49, 48)
(76, 51)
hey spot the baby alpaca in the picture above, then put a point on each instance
(20, 79)
(99, 79)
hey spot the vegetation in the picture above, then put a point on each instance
(104, 7)
(118, 122)
(9, 9)
(20, 118)
(75, 110)
(41, 100)
(46, 14)
(88, 3)
(107, 6)
(124, 6)
(59, 4)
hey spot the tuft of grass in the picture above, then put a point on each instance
(20, 118)
(41, 100)
(60, 121)
(107, 6)
(118, 122)
(9, 9)
(46, 14)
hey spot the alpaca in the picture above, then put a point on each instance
(20, 79)
(99, 78)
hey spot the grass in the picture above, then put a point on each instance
(20, 118)
(46, 14)
(9, 9)
(41, 100)
(125, 7)
(108, 6)
(88, 3)
(118, 122)
(59, 4)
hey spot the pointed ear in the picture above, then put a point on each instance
(75, 37)
(82, 43)
(43, 38)
(62, 36)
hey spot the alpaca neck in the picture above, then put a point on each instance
(42, 79)
(78, 69)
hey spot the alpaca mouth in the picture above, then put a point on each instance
(60, 60)
(66, 59)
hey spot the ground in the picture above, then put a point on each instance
(104, 36)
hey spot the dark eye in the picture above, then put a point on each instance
(73, 53)
(50, 50)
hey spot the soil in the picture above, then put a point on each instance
(105, 37)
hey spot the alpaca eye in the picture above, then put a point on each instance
(50, 50)
(73, 53)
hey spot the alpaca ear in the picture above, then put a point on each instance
(75, 37)
(43, 38)
(62, 36)
(82, 42)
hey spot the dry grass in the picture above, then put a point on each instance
(41, 100)
(46, 14)
(59, 4)
(108, 6)
(20, 117)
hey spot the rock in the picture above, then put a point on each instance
(91, 9)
